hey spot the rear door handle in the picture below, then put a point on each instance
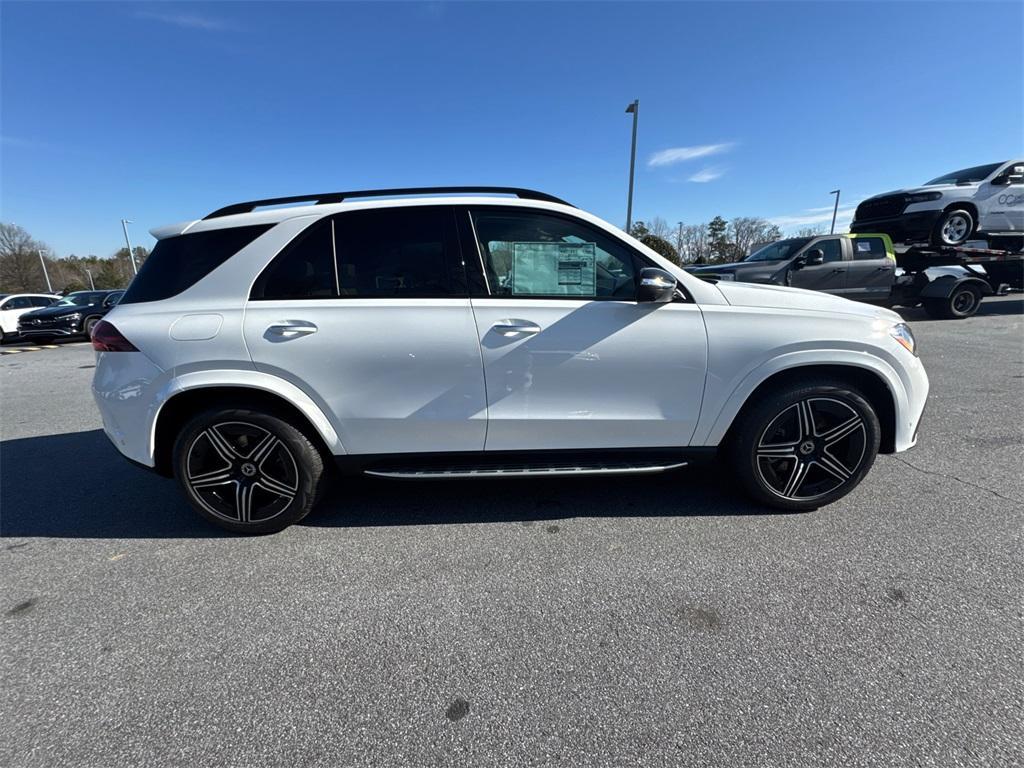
(289, 329)
(512, 327)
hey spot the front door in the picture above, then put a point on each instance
(1001, 206)
(571, 360)
(829, 276)
(382, 335)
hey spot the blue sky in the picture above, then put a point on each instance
(161, 112)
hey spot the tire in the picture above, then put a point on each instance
(248, 471)
(963, 302)
(89, 324)
(784, 464)
(953, 228)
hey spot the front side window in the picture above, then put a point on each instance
(778, 251)
(542, 255)
(832, 249)
(868, 248)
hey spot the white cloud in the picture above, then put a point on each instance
(185, 20)
(707, 174)
(675, 155)
(812, 216)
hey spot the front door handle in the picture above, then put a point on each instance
(290, 329)
(513, 327)
(837, 271)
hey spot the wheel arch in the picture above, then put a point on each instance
(186, 402)
(869, 382)
(971, 208)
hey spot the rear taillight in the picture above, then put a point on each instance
(106, 338)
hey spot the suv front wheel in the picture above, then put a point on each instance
(248, 471)
(806, 445)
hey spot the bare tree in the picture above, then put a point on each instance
(747, 231)
(20, 269)
(820, 229)
(695, 244)
(659, 228)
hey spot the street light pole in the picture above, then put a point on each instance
(92, 285)
(835, 210)
(45, 273)
(131, 254)
(633, 108)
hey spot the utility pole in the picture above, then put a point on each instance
(633, 108)
(131, 253)
(835, 210)
(679, 242)
(92, 285)
(46, 274)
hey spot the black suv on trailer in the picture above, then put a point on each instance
(74, 315)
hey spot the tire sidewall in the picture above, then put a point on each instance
(89, 324)
(954, 312)
(309, 465)
(761, 415)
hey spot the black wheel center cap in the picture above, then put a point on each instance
(806, 447)
(248, 469)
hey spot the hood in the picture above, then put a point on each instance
(715, 267)
(944, 188)
(780, 297)
(56, 311)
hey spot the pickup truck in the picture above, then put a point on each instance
(947, 282)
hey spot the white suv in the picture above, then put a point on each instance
(404, 334)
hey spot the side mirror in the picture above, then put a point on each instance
(656, 285)
(815, 256)
(799, 262)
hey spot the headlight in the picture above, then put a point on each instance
(902, 333)
(70, 316)
(923, 197)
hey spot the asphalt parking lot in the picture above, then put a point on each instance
(643, 621)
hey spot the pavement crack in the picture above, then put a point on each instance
(968, 483)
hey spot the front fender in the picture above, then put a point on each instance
(713, 426)
(248, 379)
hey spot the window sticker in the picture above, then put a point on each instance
(553, 269)
(863, 246)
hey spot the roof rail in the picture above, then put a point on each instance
(337, 197)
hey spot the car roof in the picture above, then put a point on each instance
(277, 215)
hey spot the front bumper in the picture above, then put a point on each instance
(50, 328)
(906, 228)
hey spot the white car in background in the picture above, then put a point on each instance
(984, 202)
(14, 305)
(477, 336)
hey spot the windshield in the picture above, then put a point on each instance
(777, 251)
(80, 299)
(977, 173)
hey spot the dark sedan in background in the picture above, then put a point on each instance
(74, 315)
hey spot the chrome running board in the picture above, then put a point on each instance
(541, 470)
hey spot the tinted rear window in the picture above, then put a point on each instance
(177, 263)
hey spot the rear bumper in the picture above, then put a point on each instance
(124, 387)
(906, 228)
(908, 418)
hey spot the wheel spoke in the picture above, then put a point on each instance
(805, 419)
(263, 449)
(220, 444)
(833, 467)
(211, 479)
(837, 433)
(796, 479)
(777, 451)
(276, 486)
(243, 501)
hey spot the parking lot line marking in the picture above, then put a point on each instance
(9, 351)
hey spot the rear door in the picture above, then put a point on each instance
(830, 275)
(368, 312)
(872, 271)
(572, 360)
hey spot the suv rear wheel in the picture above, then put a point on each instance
(247, 471)
(806, 445)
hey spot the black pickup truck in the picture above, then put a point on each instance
(947, 282)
